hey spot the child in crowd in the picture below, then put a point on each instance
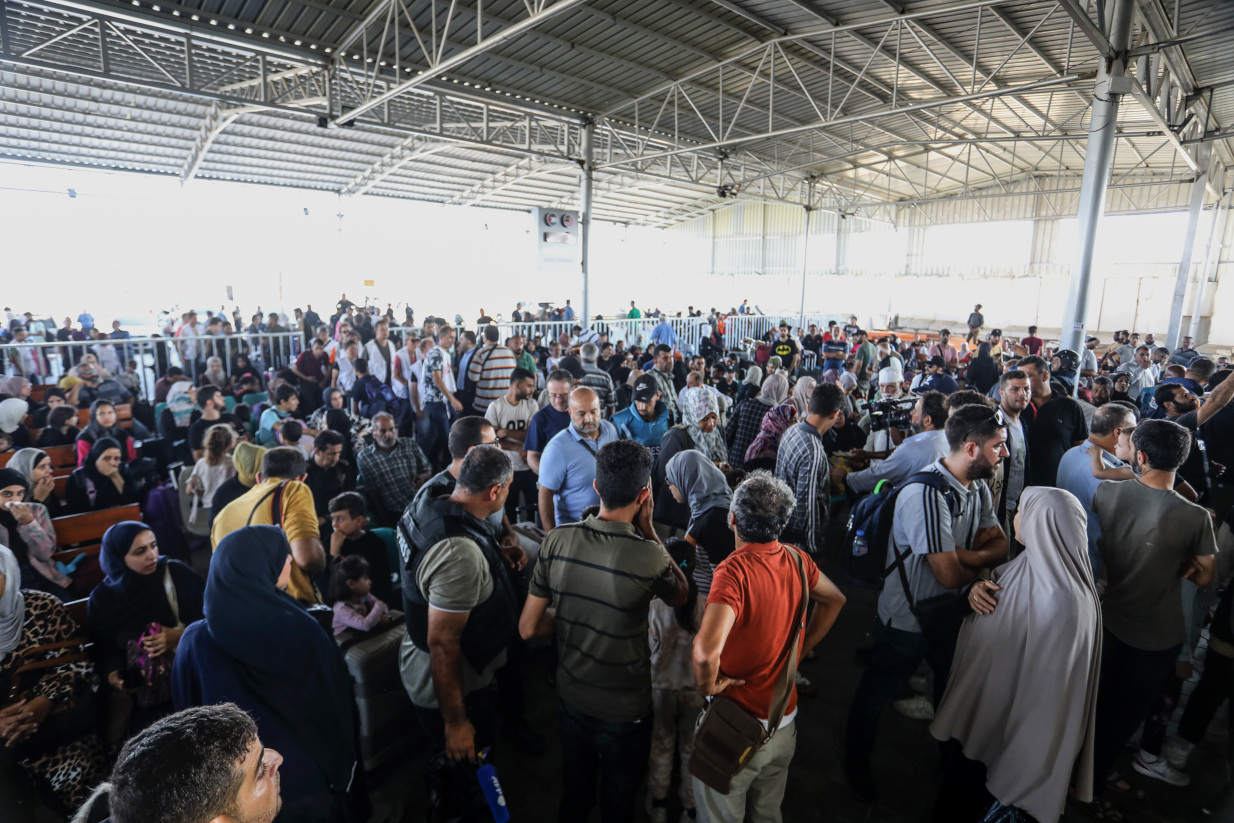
(213, 469)
(554, 355)
(291, 433)
(60, 430)
(352, 537)
(674, 699)
(6, 442)
(354, 605)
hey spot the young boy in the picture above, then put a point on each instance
(291, 433)
(351, 536)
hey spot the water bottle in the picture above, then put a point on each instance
(860, 546)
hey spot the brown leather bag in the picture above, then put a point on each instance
(729, 736)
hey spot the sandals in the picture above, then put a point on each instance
(1118, 784)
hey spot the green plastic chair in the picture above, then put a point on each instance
(229, 403)
(158, 418)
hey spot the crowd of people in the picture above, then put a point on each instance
(1043, 525)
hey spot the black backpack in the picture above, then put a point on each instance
(869, 529)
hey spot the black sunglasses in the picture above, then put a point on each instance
(996, 417)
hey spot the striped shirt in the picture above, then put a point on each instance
(802, 464)
(489, 371)
(599, 382)
(601, 576)
(929, 522)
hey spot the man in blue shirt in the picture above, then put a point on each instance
(646, 419)
(1110, 433)
(664, 334)
(567, 312)
(568, 464)
(926, 447)
(551, 419)
(86, 319)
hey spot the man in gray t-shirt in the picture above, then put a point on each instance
(939, 541)
(1151, 540)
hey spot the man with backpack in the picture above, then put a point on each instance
(371, 395)
(943, 530)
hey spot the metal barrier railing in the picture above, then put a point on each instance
(153, 355)
(276, 350)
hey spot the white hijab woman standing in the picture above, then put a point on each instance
(1022, 696)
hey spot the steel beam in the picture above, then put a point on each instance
(586, 214)
(212, 126)
(459, 58)
(1198, 190)
(1102, 123)
(393, 160)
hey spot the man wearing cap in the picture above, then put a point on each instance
(937, 378)
(975, 321)
(646, 419)
(568, 465)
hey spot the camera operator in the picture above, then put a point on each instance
(927, 445)
(887, 419)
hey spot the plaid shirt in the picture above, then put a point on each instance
(802, 464)
(392, 474)
(599, 381)
(743, 429)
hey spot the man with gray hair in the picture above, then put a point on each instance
(740, 651)
(1143, 372)
(392, 468)
(596, 378)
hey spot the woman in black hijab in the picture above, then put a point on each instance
(104, 422)
(26, 528)
(259, 649)
(102, 481)
(137, 616)
(982, 372)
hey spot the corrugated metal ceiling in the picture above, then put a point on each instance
(130, 98)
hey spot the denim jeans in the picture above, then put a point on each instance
(615, 752)
(896, 655)
(437, 441)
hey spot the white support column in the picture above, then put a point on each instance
(805, 258)
(1098, 154)
(584, 217)
(1174, 335)
(1216, 231)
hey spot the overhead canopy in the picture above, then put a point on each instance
(858, 106)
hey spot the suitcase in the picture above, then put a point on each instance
(530, 536)
(388, 726)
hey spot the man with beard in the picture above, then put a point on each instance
(1183, 407)
(1052, 421)
(940, 540)
(928, 445)
(568, 465)
(1014, 392)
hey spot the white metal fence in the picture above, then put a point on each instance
(153, 355)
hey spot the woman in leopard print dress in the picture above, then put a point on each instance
(61, 751)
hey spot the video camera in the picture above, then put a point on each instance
(887, 414)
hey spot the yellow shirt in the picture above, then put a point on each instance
(299, 522)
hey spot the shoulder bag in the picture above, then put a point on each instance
(729, 736)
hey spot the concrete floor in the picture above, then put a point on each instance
(905, 763)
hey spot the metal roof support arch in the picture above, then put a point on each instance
(1216, 231)
(1101, 127)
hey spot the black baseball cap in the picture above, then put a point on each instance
(645, 388)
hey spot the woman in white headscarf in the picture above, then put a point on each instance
(12, 411)
(800, 397)
(749, 386)
(1022, 697)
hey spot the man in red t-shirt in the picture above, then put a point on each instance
(1033, 343)
(741, 650)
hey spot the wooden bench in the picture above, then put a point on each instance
(78, 611)
(83, 418)
(38, 394)
(83, 533)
